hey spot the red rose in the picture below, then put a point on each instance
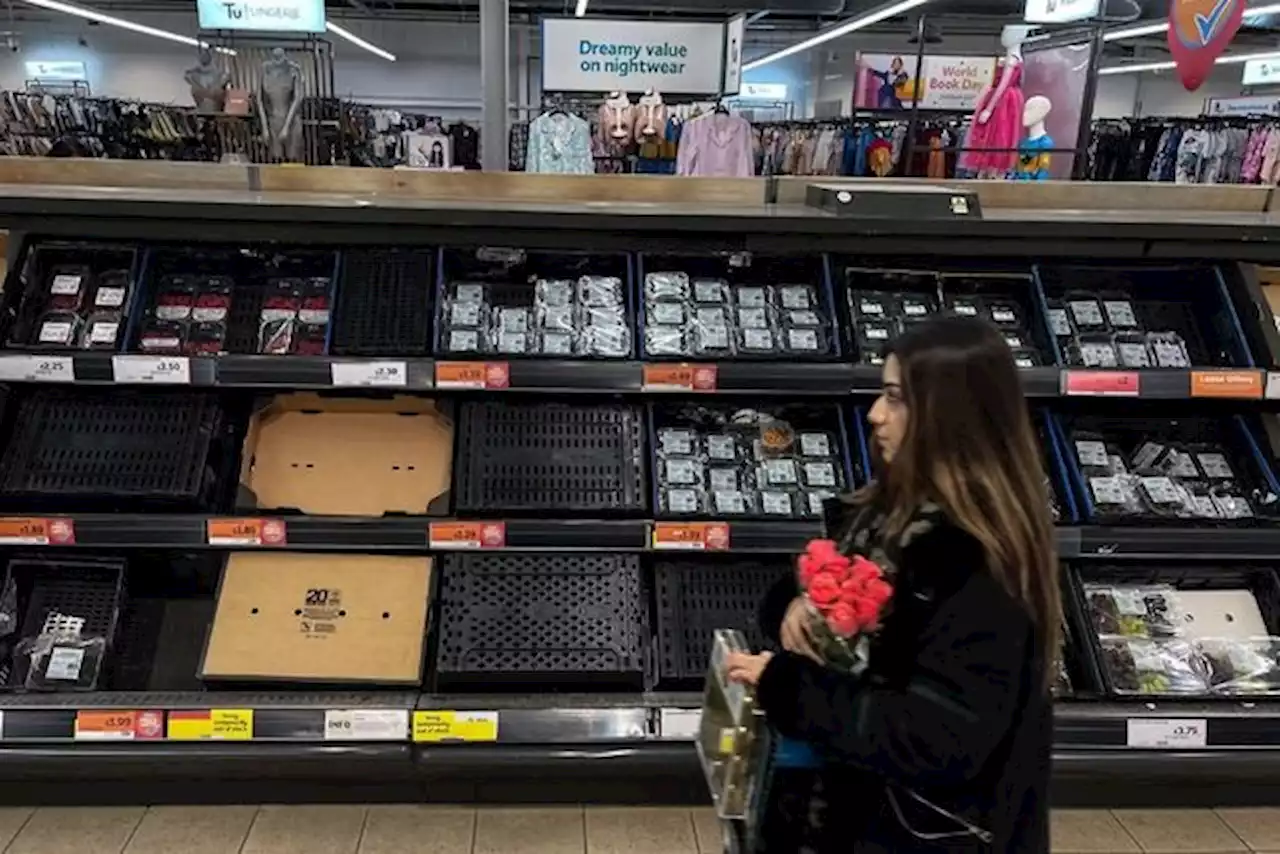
(806, 569)
(823, 589)
(878, 591)
(823, 551)
(843, 620)
(868, 613)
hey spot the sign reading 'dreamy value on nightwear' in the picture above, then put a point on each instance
(277, 16)
(603, 55)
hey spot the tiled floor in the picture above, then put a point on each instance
(543, 830)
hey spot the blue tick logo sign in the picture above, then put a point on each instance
(1199, 31)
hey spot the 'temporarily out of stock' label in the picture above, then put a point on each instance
(211, 725)
(437, 726)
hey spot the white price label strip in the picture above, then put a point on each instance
(682, 724)
(366, 725)
(41, 369)
(381, 373)
(169, 370)
(1273, 385)
(1168, 733)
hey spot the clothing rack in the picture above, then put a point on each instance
(1186, 150)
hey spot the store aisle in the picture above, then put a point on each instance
(542, 830)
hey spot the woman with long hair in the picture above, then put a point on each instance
(943, 743)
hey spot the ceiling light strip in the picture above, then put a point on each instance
(112, 20)
(581, 9)
(1233, 59)
(874, 17)
(359, 42)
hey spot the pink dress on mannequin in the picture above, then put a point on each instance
(1002, 131)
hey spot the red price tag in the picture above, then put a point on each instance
(1232, 384)
(681, 377)
(247, 532)
(691, 536)
(473, 375)
(467, 535)
(1101, 383)
(36, 532)
(118, 725)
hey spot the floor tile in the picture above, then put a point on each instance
(1259, 827)
(640, 830)
(1088, 832)
(12, 820)
(706, 824)
(417, 829)
(192, 830)
(530, 830)
(1174, 831)
(76, 830)
(312, 829)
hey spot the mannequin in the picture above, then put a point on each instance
(651, 118)
(278, 106)
(208, 83)
(989, 149)
(1033, 152)
(616, 118)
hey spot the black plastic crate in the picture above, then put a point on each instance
(694, 598)
(384, 303)
(520, 457)
(1099, 658)
(86, 588)
(552, 620)
(73, 448)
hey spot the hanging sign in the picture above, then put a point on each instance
(1249, 105)
(611, 55)
(1261, 72)
(276, 16)
(63, 70)
(1199, 31)
(735, 34)
(887, 81)
(1059, 11)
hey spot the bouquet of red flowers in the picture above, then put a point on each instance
(846, 599)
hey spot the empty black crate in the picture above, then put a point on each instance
(565, 621)
(384, 303)
(549, 456)
(696, 598)
(74, 448)
(88, 589)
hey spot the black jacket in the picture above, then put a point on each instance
(954, 709)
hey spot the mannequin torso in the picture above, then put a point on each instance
(281, 97)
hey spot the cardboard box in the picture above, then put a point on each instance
(348, 456)
(320, 618)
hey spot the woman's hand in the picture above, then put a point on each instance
(747, 668)
(794, 633)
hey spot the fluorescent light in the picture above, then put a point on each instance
(1233, 59)
(1161, 26)
(873, 17)
(359, 42)
(102, 18)
(581, 9)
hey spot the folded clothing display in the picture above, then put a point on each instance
(1136, 469)
(320, 618)
(90, 449)
(75, 296)
(318, 454)
(554, 620)
(777, 462)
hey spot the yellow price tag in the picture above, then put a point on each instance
(455, 726)
(728, 737)
(211, 725)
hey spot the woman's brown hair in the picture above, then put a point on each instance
(970, 448)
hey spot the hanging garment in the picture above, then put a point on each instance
(716, 145)
(559, 144)
(990, 148)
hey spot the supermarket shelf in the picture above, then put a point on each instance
(403, 533)
(557, 376)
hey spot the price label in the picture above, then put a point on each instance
(1273, 385)
(166, 370)
(247, 532)
(682, 724)
(682, 377)
(370, 374)
(118, 725)
(467, 535)
(455, 726)
(1230, 384)
(473, 375)
(36, 532)
(1168, 733)
(366, 724)
(691, 536)
(38, 369)
(211, 725)
(1101, 383)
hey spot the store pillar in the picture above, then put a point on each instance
(495, 69)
